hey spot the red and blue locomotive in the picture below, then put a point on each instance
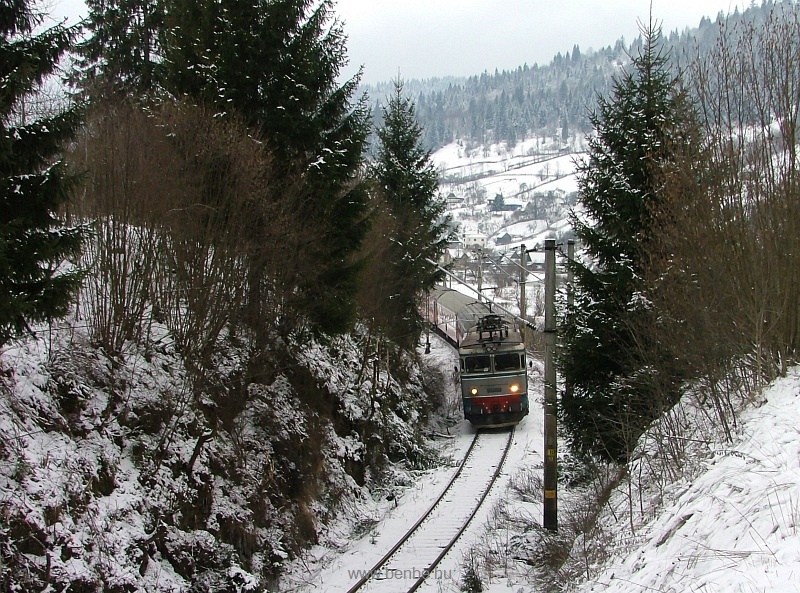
(492, 360)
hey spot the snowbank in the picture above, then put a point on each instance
(733, 527)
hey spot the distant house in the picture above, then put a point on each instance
(454, 200)
(475, 242)
(504, 239)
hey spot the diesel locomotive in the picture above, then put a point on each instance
(492, 362)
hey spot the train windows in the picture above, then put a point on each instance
(507, 361)
(477, 364)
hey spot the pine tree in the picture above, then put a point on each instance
(276, 64)
(34, 243)
(408, 181)
(613, 394)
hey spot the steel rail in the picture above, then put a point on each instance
(411, 532)
(461, 531)
(416, 525)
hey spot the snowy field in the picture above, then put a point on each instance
(499, 170)
(522, 176)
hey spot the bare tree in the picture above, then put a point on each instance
(724, 270)
(749, 96)
(130, 175)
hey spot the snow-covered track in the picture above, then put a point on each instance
(407, 565)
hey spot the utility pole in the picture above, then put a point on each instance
(550, 402)
(427, 325)
(523, 273)
(570, 274)
(570, 301)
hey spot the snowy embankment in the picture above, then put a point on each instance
(733, 526)
(125, 474)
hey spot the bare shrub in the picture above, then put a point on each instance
(739, 249)
(471, 581)
(129, 176)
(527, 483)
(191, 226)
(201, 281)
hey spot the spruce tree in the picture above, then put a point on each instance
(34, 243)
(122, 48)
(618, 381)
(276, 63)
(408, 182)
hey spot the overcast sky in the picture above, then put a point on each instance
(435, 38)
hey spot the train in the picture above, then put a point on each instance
(492, 370)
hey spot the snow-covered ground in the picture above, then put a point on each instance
(99, 462)
(335, 565)
(498, 170)
(733, 524)
(724, 520)
(729, 522)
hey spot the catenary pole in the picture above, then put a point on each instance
(550, 422)
(570, 273)
(523, 272)
(480, 273)
(570, 301)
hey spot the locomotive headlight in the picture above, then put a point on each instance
(514, 387)
(474, 391)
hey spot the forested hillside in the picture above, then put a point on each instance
(545, 100)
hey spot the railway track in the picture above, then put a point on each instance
(407, 565)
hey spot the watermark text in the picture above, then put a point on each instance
(401, 574)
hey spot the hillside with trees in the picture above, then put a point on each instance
(193, 379)
(552, 100)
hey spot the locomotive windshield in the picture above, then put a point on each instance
(508, 361)
(477, 364)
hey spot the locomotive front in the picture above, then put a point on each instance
(494, 381)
